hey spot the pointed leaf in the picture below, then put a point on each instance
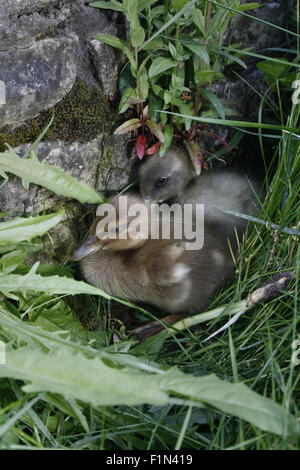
(161, 64)
(168, 135)
(156, 130)
(128, 126)
(141, 146)
(21, 229)
(48, 176)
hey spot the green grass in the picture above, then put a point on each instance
(94, 374)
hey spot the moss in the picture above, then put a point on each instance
(80, 116)
(105, 162)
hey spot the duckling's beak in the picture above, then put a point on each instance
(89, 246)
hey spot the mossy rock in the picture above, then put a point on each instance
(80, 116)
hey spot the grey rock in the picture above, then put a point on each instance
(21, 32)
(37, 78)
(251, 33)
(86, 23)
(23, 7)
(116, 165)
(106, 66)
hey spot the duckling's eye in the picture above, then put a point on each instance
(161, 181)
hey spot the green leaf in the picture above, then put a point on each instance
(178, 4)
(143, 82)
(49, 284)
(60, 317)
(273, 69)
(158, 90)
(10, 261)
(77, 377)
(156, 130)
(137, 36)
(92, 380)
(217, 105)
(199, 20)
(168, 135)
(186, 109)
(207, 76)
(37, 141)
(119, 44)
(161, 64)
(48, 176)
(107, 5)
(218, 20)
(155, 103)
(248, 6)
(125, 100)
(128, 126)
(198, 49)
(143, 4)
(25, 229)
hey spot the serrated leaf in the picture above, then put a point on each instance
(49, 284)
(25, 229)
(10, 261)
(92, 380)
(48, 176)
(128, 126)
(159, 65)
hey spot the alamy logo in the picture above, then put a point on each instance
(296, 352)
(157, 221)
(2, 93)
(296, 94)
(2, 353)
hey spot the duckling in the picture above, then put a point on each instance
(160, 272)
(172, 178)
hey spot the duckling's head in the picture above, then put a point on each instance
(119, 225)
(164, 178)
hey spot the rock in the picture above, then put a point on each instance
(23, 7)
(116, 164)
(21, 31)
(86, 23)
(251, 33)
(36, 78)
(106, 66)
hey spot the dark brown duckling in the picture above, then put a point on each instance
(160, 272)
(172, 178)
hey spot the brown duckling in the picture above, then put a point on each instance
(172, 178)
(161, 272)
